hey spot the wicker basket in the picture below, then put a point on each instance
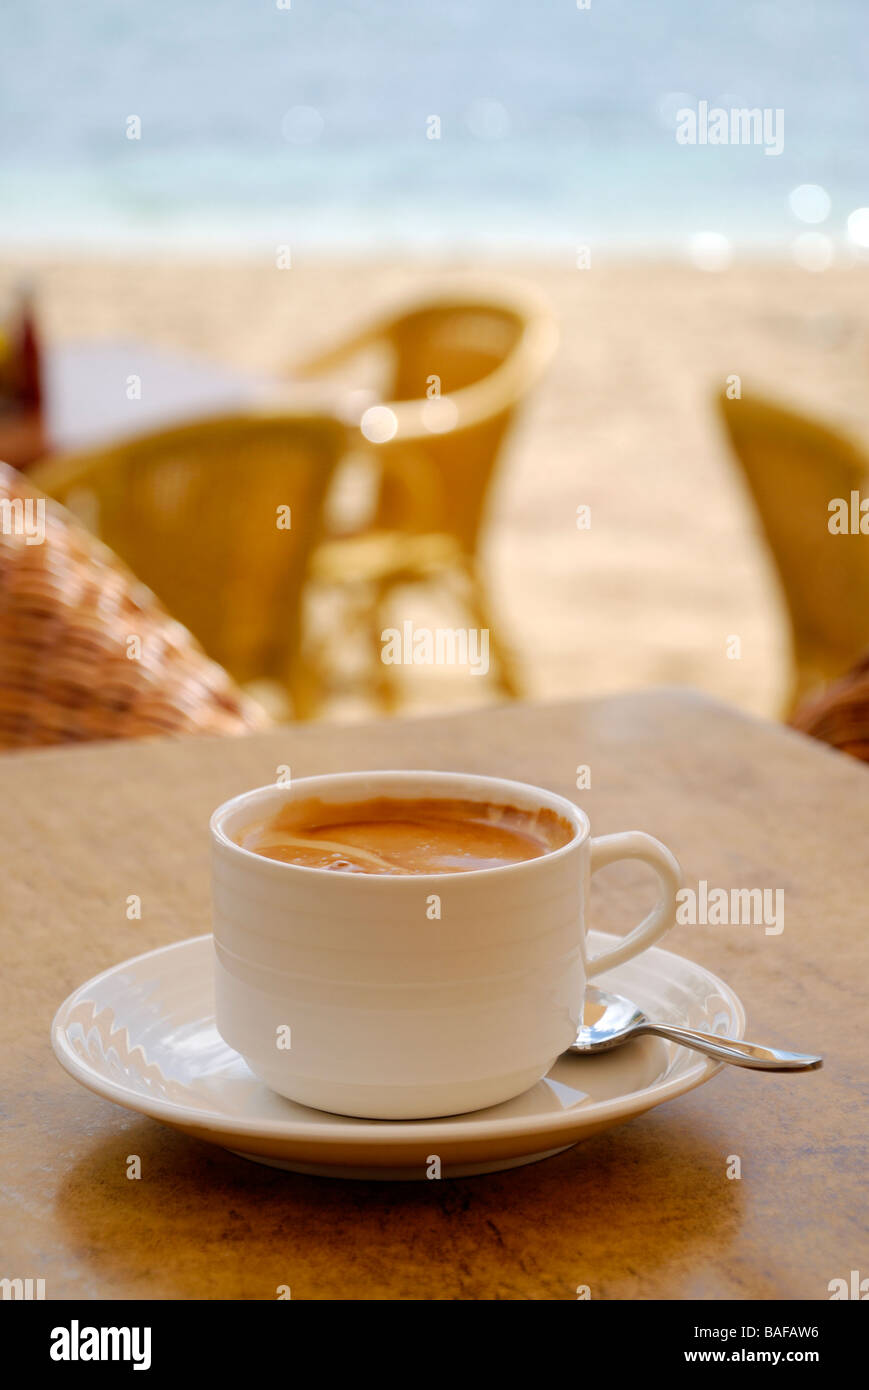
(86, 652)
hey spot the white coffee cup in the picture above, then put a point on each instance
(345, 992)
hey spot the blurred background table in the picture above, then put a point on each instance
(642, 1212)
(86, 390)
(89, 400)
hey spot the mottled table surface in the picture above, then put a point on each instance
(646, 1211)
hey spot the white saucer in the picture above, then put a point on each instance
(143, 1034)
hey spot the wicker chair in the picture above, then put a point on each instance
(86, 652)
(481, 352)
(218, 518)
(795, 467)
(839, 715)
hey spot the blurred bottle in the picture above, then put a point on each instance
(20, 357)
(7, 354)
(22, 425)
(27, 354)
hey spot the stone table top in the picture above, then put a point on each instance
(646, 1211)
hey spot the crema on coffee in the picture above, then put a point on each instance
(386, 835)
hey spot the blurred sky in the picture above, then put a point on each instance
(307, 125)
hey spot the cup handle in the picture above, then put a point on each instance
(635, 844)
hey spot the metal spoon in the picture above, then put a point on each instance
(622, 1020)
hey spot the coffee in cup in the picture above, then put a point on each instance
(419, 835)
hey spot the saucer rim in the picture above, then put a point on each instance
(387, 1133)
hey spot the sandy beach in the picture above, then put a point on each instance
(673, 565)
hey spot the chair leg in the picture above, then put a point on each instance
(383, 681)
(506, 667)
(306, 687)
(472, 594)
(384, 685)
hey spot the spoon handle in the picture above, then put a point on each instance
(740, 1054)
